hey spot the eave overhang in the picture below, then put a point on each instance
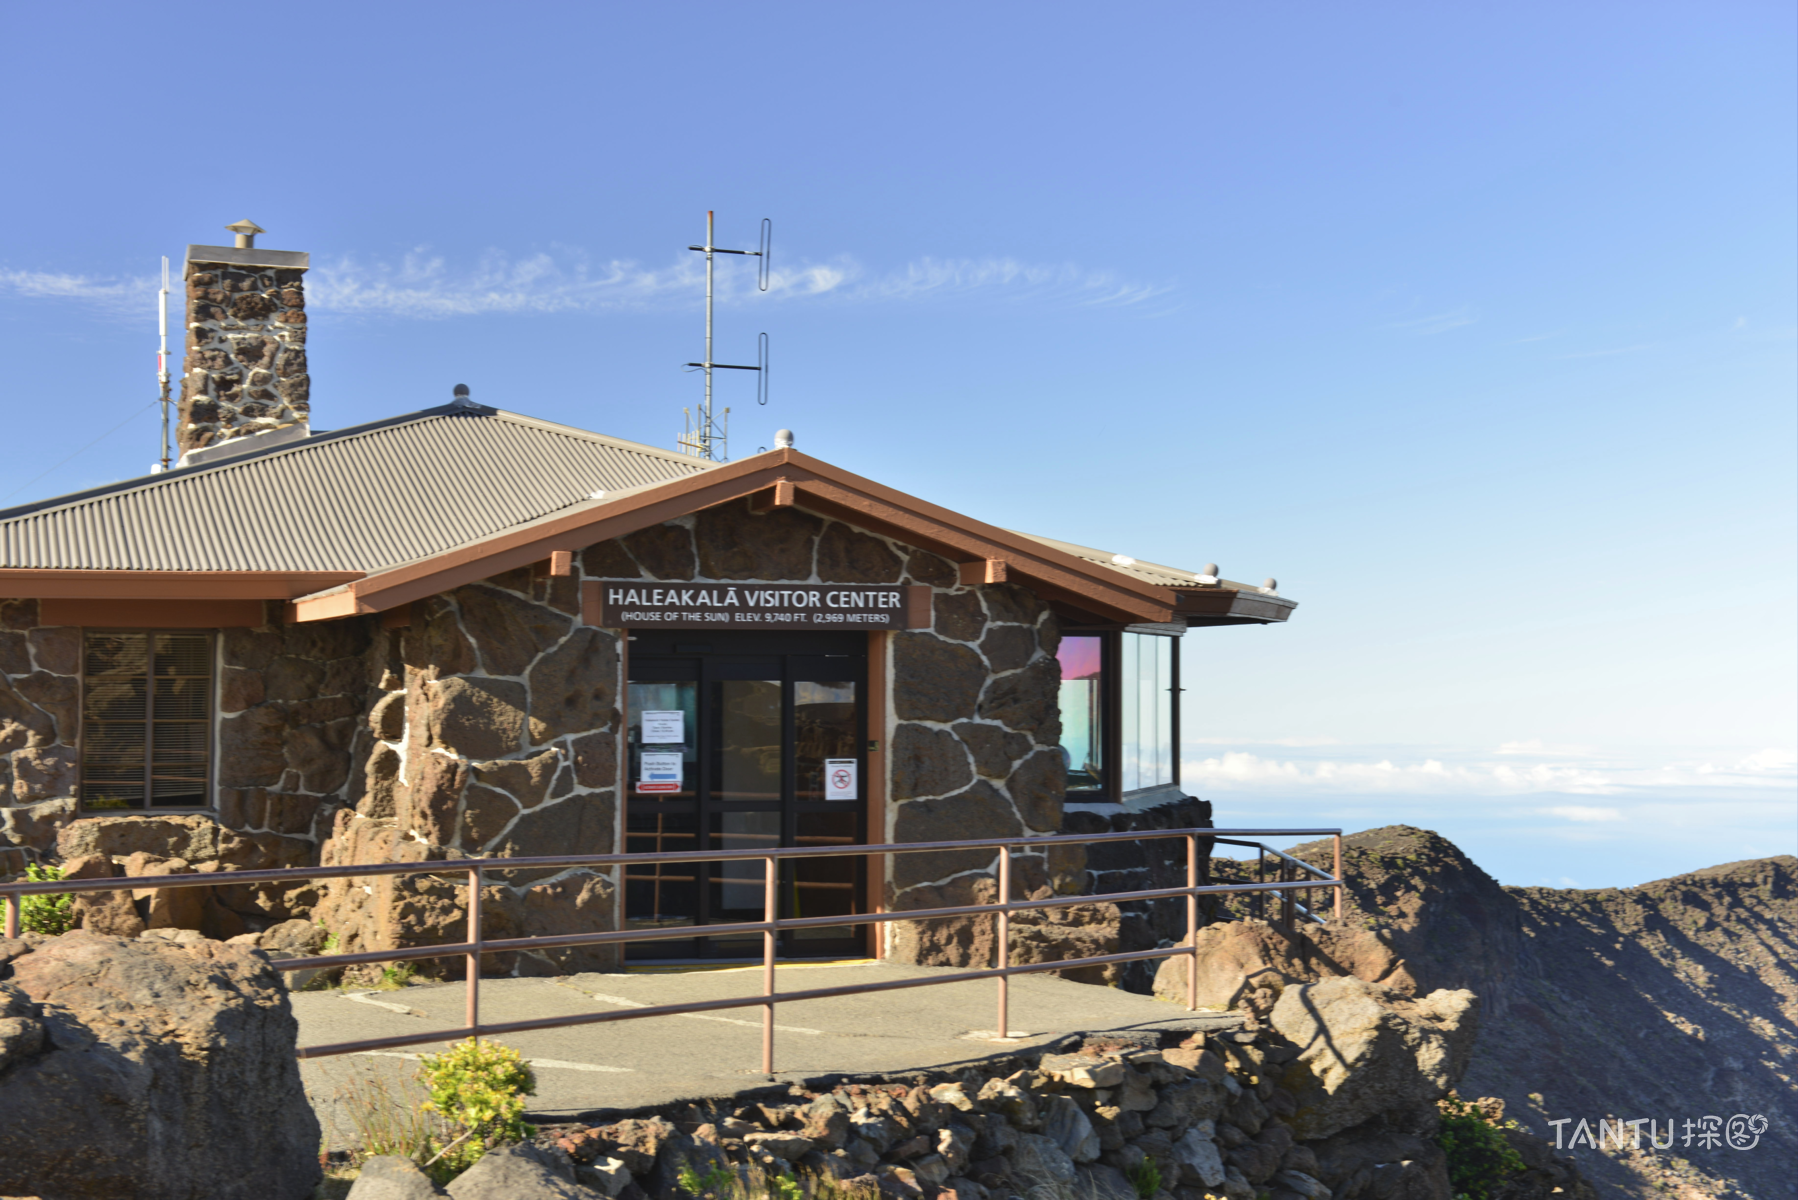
(62, 583)
(1227, 606)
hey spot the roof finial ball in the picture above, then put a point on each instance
(783, 439)
(246, 231)
(460, 392)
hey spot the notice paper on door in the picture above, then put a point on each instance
(839, 779)
(660, 771)
(664, 727)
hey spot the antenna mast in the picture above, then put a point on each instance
(162, 357)
(706, 437)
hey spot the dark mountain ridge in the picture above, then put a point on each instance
(1672, 1002)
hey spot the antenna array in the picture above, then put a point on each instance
(708, 437)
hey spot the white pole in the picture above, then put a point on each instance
(705, 417)
(162, 358)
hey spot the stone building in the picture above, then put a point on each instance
(467, 632)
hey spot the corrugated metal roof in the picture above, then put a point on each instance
(357, 499)
(1149, 572)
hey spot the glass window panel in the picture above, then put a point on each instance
(105, 743)
(179, 742)
(825, 887)
(183, 654)
(1146, 663)
(110, 698)
(657, 895)
(823, 727)
(105, 795)
(739, 888)
(116, 654)
(1082, 710)
(177, 793)
(678, 696)
(749, 749)
(181, 699)
(115, 776)
(127, 720)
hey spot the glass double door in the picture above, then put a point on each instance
(746, 743)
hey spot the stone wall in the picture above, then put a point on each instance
(245, 369)
(1135, 866)
(493, 733)
(39, 719)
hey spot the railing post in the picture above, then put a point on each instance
(473, 1011)
(770, 914)
(12, 915)
(1002, 934)
(1287, 896)
(1192, 922)
(1338, 873)
(1260, 900)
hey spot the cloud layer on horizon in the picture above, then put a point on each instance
(1341, 770)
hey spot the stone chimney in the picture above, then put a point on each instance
(245, 371)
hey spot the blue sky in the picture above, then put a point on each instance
(1475, 327)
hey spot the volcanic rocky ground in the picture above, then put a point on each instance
(1673, 1000)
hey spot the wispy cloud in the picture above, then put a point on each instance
(126, 294)
(423, 284)
(1440, 322)
(1063, 283)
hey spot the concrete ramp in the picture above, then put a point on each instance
(657, 1060)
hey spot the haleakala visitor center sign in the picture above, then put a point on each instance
(634, 604)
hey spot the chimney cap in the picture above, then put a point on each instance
(246, 231)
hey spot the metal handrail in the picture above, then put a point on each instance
(770, 927)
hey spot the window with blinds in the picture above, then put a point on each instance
(146, 720)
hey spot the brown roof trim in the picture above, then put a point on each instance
(153, 614)
(1227, 606)
(818, 484)
(39, 583)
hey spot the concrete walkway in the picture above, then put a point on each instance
(587, 1069)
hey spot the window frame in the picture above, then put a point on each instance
(147, 809)
(1111, 714)
(1109, 741)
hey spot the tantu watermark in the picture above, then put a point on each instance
(1740, 1132)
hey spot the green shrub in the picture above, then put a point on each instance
(386, 1123)
(397, 976)
(50, 914)
(479, 1088)
(752, 1182)
(1473, 1137)
(1145, 1177)
(712, 1182)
